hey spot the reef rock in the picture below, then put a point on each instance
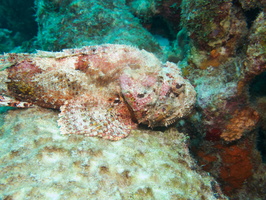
(102, 90)
(77, 23)
(39, 163)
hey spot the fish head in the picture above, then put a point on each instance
(159, 98)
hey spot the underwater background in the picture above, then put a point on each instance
(216, 152)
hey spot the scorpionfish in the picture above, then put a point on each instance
(104, 90)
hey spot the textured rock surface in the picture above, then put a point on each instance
(256, 51)
(91, 23)
(220, 65)
(214, 25)
(37, 162)
(251, 4)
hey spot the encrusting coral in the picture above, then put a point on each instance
(242, 121)
(101, 90)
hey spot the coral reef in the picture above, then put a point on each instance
(39, 163)
(101, 90)
(220, 66)
(218, 45)
(227, 40)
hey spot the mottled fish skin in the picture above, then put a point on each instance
(102, 91)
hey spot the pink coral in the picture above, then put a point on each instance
(102, 90)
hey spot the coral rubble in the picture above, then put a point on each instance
(101, 90)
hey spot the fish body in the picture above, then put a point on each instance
(103, 91)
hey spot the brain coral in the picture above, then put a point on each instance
(147, 165)
(102, 91)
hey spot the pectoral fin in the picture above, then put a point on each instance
(88, 116)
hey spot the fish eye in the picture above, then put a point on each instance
(177, 86)
(140, 95)
(116, 101)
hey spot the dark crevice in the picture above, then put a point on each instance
(251, 15)
(261, 143)
(257, 87)
(17, 21)
(257, 94)
(159, 26)
(19, 16)
(236, 3)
